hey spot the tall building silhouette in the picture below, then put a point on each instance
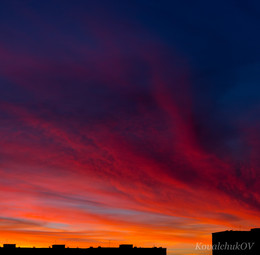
(236, 242)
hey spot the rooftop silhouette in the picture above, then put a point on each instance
(56, 249)
(236, 242)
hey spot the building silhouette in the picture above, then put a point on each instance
(236, 242)
(60, 249)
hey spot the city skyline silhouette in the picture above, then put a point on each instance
(126, 249)
(227, 242)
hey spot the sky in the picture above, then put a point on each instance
(128, 122)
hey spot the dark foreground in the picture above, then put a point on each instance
(61, 250)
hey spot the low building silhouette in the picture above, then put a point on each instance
(236, 242)
(60, 249)
(8, 246)
(58, 246)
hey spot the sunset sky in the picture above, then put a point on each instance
(128, 121)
